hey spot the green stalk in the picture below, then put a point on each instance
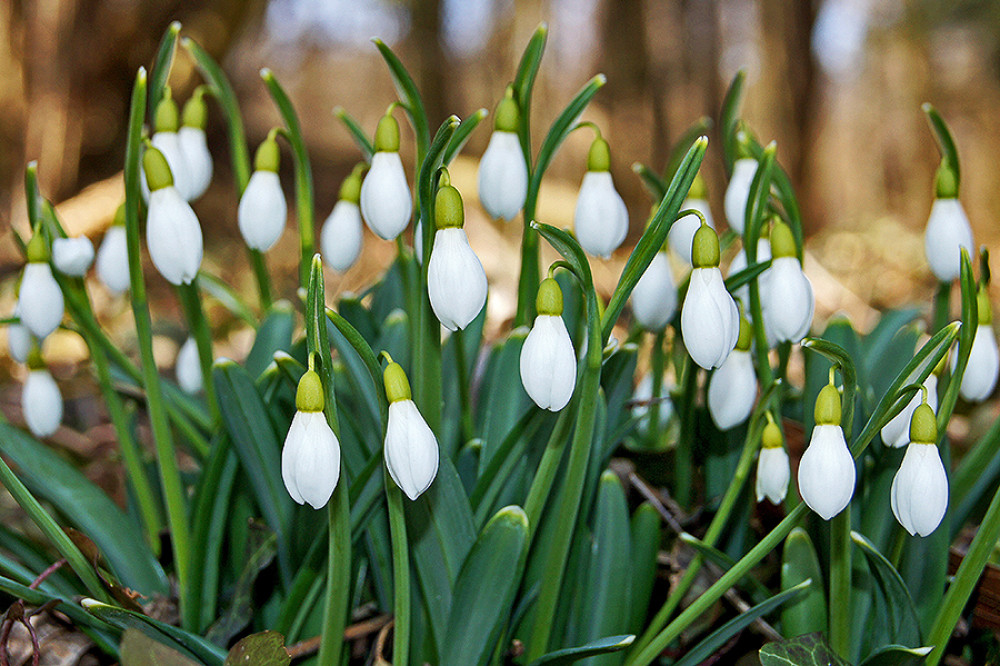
(190, 298)
(683, 464)
(400, 574)
(166, 454)
(541, 484)
(653, 434)
(840, 582)
(465, 405)
(942, 303)
(527, 282)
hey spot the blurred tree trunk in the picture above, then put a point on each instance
(425, 39)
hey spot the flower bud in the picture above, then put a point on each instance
(188, 367)
(39, 298)
(710, 322)
(385, 196)
(548, 363)
(947, 232)
(788, 302)
(919, 493)
(310, 458)
(826, 471)
(173, 234)
(773, 471)
(340, 239)
(41, 401)
(112, 257)
(601, 217)
(744, 169)
(503, 174)
(262, 211)
(72, 256)
(411, 449)
(194, 146)
(654, 298)
(456, 281)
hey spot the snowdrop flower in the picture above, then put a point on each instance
(654, 298)
(165, 138)
(456, 281)
(503, 174)
(732, 390)
(773, 471)
(896, 433)
(173, 234)
(41, 401)
(826, 471)
(385, 197)
(411, 449)
(788, 302)
(601, 218)
(194, 145)
(710, 322)
(310, 458)
(72, 256)
(548, 364)
(39, 298)
(738, 191)
(980, 376)
(19, 338)
(188, 367)
(112, 257)
(263, 211)
(919, 493)
(340, 239)
(948, 227)
(682, 231)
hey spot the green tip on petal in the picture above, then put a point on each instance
(195, 112)
(38, 249)
(309, 396)
(828, 406)
(923, 425)
(157, 170)
(166, 118)
(119, 216)
(782, 240)
(387, 135)
(697, 190)
(771, 438)
(983, 306)
(350, 189)
(397, 386)
(705, 248)
(599, 157)
(508, 115)
(268, 157)
(550, 298)
(946, 181)
(746, 334)
(448, 209)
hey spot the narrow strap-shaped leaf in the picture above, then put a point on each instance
(357, 133)
(901, 623)
(370, 362)
(228, 297)
(274, 334)
(730, 118)
(461, 135)
(698, 129)
(646, 535)
(898, 655)
(970, 322)
(593, 649)
(161, 66)
(740, 278)
(720, 559)
(656, 186)
(524, 84)
(799, 563)
(945, 141)
(409, 95)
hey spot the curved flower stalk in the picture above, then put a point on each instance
(682, 231)
(340, 239)
(773, 472)
(919, 493)
(948, 229)
(601, 218)
(411, 449)
(456, 281)
(310, 458)
(548, 364)
(385, 196)
(188, 367)
(41, 401)
(263, 211)
(194, 145)
(788, 302)
(166, 122)
(112, 256)
(980, 376)
(503, 174)
(654, 298)
(732, 390)
(710, 322)
(72, 256)
(173, 234)
(896, 433)
(39, 298)
(738, 191)
(826, 471)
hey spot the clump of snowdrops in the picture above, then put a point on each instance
(376, 477)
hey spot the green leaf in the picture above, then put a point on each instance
(264, 649)
(897, 655)
(899, 624)
(228, 297)
(656, 186)
(799, 563)
(161, 66)
(808, 650)
(740, 278)
(725, 562)
(721, 636)
(260, 551)
(524, 84)
(646, 535)
(946, 144)
(357, 133)
(500, 404)
(730, 118)
(461, 135)
(87, 508)
(138, 649)
(698, 129)
(367, 355)
(479, 612)
(592, 649)
(839, 356)
(274, 334)
(408, 94)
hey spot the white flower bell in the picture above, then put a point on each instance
(948, 228)
(173, 234)
(710, 322)
(39, 298)
(787, 302)
(19, 338)
(503, 174)
(682, 231)
(340, 239)
(919, 493)
(41, 401)
(732, 390)
(896, 433)
(456, 281)
(166, 122)
(773, 472)
(385, 197)
(310, 458)
(738, 191)
(548, 364)
(262, 211)
(194, 145)
(654, 298)
(601, 218)
(826, 471)
(980, 376)
(188, 367)
(72, 256)
(411, 449)
(112, 257)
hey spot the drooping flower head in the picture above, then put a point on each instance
(112, 257)
(41, 401)
(341, 236)
(601, 217)
(710, 322)
(262, 211)
(948, 229)
(732, 390)
(896, 433)
(194, 145)
(919, 493)
(173, 234)
(738, 191)
(773, 471)
(503, 174)
(682, 231)
(411, 449)
(654, 297)
(310, 458)
(826, 471)
(166, 122)
(385, 197)
(456, 281)
(787, 302)
(548, 363)
(72, 256)
(981, 372)
(39, 297)
(188, 367)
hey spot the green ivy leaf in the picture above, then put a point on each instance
(264, 649)
(807, 650)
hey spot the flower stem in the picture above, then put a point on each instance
(259, 267)
(683, 469)
(658, 363)
(942, 304)
(190, 297)
(400, 574)
(541, 485)
(527, 284)
(338, 576)
(840, 582)
(461, 372)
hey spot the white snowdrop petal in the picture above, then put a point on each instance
(41, 403)
(262, 211)
(919, 493)
(289, 455)
(732, 390)
(896, 433)
(317, 466)
(340, 239)
(744, 169)
(548, 363)
(73, 256)
(773, 474)
(601, 218)
(194, 147)
(980, 376)
(385, 196)
(188, 367)
(948, 230)
(411, 449)
(456, 281)
(503, 176)
(826, 472)
(169, 144)
(654, 298)
(40, 299)
(18, 339)
(709, 319)
(112, 260)
(173, 236)
(681, 234)
(788, 301)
